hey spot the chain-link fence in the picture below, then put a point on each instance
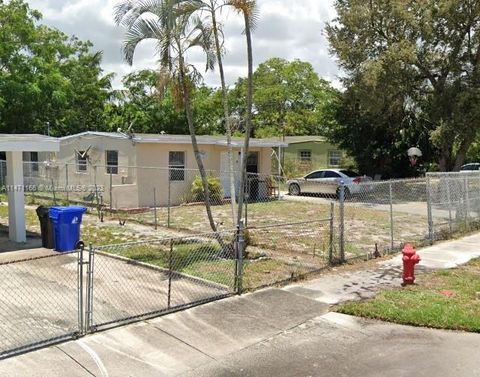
(284, 252)
(454, 203)
(40, 301)
(141, 279)
(160, 197)
(380, 217)
(58, 296)
(287, 237)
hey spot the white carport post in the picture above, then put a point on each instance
(16, 198)
(14, 145)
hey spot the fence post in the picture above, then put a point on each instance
(391, 217)
(155, 207)
(81, 322)
(169, 197)
(2, 178)
(342, 222)
(449, 203)
(431, 231)
(467, 202)
(170, 272)
(89, 312)
(240, 249)
(111, 190)
(53, 192)
(330, 245)
(246, 199)
(66, 184)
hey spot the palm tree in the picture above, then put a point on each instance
(212, 7)
(247, 8)
(171, 25)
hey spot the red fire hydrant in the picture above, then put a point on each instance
(410, 259)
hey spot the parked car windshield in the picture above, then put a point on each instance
(350, 173)
(331, 174)
(315, 175)
(470, 167)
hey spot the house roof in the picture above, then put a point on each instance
(179, 139)
(301, 139)
(28, 143)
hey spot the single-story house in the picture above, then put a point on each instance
(309, 153)
(130, 166)
(314, 151)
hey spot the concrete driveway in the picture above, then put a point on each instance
(412, 208)
(268, 333)
(39, 294)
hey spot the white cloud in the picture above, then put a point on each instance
(286, 29)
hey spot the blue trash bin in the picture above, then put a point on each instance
(66, 226)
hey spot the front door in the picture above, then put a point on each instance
(252, 163)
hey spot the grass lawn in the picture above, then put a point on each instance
(194, 259)
(446, 299)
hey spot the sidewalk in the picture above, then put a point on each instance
(334, 289)
(279, 332)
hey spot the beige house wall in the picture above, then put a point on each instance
(156, 155)
(143, 167)
(121, 183)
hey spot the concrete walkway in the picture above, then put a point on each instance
(273, 332)
(360, 284)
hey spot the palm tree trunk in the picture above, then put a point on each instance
(226, 112)
(248, 120)
(196, 150)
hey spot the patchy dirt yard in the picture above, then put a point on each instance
(276, 251)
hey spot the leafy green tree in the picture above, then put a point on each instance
(139, 103)
(48, 81)
(290, 99)
(412, 75)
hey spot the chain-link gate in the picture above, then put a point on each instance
(134, 281)
(40, 301)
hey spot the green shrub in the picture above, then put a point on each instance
(214, 187)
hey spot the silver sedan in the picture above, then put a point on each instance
(328, 182)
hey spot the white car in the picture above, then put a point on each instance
(328, 181)
(475, 166)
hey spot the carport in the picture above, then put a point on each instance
(14, 145)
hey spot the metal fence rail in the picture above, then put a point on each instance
(132, 281)
(39, 302)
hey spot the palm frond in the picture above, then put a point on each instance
(141, 30)
(248, 8)
(126, 13)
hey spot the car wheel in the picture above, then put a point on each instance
(294, 189)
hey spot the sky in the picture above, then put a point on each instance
(286, 28)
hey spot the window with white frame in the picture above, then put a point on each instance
(176, 165)
(34, 161)
(81, 161)
(305, 156)
(111, 162)
(334, 158)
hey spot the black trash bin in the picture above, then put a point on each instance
(253, 188)
(46, 227)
